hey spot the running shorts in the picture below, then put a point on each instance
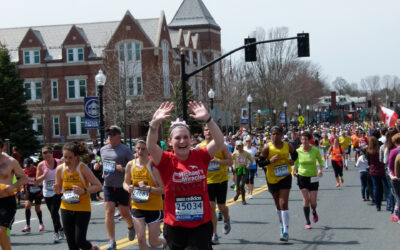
(305, 183)
(189, 238)
(8, 208)
(149, 216)
(285, 183)
(217, 192)
(117, 195)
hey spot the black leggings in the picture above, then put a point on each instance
(53, 204)
(337, 169)
(75, 228)
(240, 181)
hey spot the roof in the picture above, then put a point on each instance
(96, 34)
(192, 13)
(150, 27)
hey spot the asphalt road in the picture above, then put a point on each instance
(345, 222)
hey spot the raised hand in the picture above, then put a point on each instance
(163, 111)
(199, 111)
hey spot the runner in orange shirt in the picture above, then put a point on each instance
(355, 141)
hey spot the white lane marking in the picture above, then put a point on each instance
(17, 222)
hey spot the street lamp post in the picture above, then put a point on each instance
(211, 95)
(259, 118)
(274, 116)
(100, 81)
(129, 105)
(299, 108)
(320, 115)
(249, 101)
(285, 107)
(308, 114)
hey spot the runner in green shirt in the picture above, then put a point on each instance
(308, 175)
(241, 163)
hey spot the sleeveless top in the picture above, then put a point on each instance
(50, 178)
(143, 199)
(82, 202)
(216, 173)
(281, 168)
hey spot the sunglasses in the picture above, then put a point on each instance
(112, 134)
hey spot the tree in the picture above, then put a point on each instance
(15, 121)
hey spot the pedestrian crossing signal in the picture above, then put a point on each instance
(250, 52)
(303, 45)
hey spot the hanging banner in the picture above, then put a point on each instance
(282, 117)
(244, 116)
(92, 114)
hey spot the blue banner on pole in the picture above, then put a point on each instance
(282, 117)
(92, 113)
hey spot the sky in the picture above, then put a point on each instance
(352, 39)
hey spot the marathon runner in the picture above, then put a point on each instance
(187, 212)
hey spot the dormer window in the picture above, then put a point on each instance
(31, 56)
(75, 55)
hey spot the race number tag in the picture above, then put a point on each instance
(70, 197)
(34, 190)
(139, 195)
(31, 180)
(213, 166)
(314, 179)
(281, 171)
(189, 208)
(109, 167)
(49, 185)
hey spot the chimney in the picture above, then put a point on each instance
(333, 100)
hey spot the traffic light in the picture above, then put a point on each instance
(303, 45)
(369, 103)
(250, 52)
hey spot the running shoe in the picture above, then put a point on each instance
(394, 218)
(250, 196)
(131, 233)
(112, 246)
(116, 213)
(219, 216)
(227, 226)
(307, 227)
(41, 227)
(244, 202)
(337, 185)
(55, 237)
(341, 180)
(26, 229)
(285, 237)
(214, 239)
(120, 218)
(315, 217)
(61, 234)
(236, 197)
(233, 186)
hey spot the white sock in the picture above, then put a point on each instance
(326, 164)
(278, 212)
(285, 220)
(345, 162)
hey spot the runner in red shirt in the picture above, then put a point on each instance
(33, 189)
(187, 211)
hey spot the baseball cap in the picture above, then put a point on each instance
(114, 129)
(239, 143)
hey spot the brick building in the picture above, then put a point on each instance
(140, 58)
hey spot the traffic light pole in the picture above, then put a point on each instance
(185, 77)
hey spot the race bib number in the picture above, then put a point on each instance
(34, 190)
(213, 166)
(139, 195)
(241, 160)
(70, 197)
(314, 179)
(109, 167)
(31, 180)
(281, 171)
(189, 208)
(49, 185)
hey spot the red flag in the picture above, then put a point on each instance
(389, 116)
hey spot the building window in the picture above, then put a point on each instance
(38, 125)
(129, 51)
(137, 51)
(200, 92)
(121, 52)
(56, 126)
(190, 57)
(76, 125)
(134, 86)
(165, 68)
(76, 89)
(33, 90)
(75, 55)
(198, 58)
(192, 84)
(54, 90)
(31, 56)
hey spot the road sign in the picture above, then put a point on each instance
(91, 113)
(301, 121)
